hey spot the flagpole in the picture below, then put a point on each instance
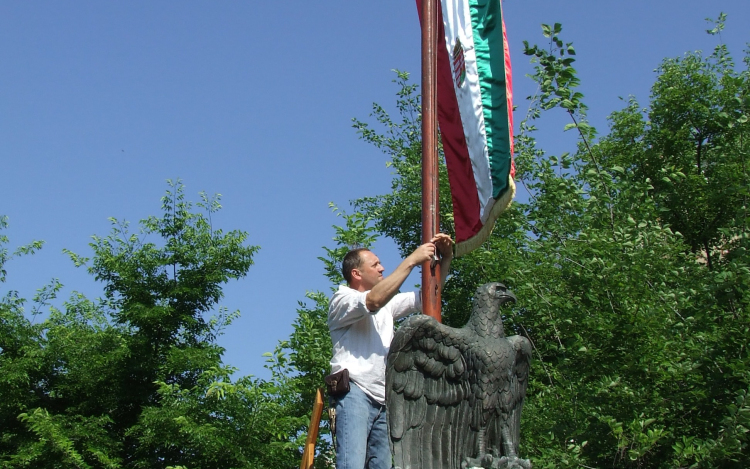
(430, 207)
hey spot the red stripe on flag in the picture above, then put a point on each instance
(466, 208)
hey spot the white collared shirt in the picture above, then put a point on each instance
(361, 339)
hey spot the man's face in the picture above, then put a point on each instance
(370, 270)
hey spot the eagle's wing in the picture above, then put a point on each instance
(427, 394)
(518, 382)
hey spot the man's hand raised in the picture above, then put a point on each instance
(444, 245)
(422, 254)
(381, 293)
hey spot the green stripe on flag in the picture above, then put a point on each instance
(486, 21)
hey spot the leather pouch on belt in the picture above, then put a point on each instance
(337, 384)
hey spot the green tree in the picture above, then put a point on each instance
(691, 142)
(128, 381)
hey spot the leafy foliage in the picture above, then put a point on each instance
(136, 379)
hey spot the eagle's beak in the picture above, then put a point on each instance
(502, 293)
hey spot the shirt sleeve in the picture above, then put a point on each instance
(403, 304)
(347, 307)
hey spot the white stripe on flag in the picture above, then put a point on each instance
(457, 23)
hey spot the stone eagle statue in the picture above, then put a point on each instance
(454, 396)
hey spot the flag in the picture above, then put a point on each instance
(475, 103)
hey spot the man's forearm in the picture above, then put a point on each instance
(382, 293)
(389, 286)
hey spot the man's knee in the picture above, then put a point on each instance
(378, 448)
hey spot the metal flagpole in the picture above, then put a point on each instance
(430, 208)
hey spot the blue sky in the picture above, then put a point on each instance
(101, 102)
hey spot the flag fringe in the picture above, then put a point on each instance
(498, 208)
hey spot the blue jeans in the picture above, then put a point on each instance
(361, 432)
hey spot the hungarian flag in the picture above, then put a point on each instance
(475, 103)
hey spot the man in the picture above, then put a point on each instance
(360, 319)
